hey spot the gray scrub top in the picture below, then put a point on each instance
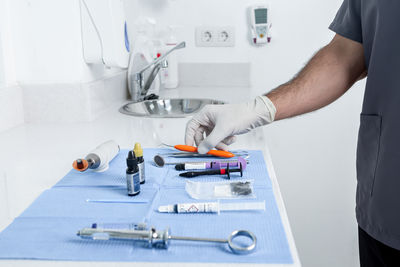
(376, 24)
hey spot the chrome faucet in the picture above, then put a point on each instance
(138, 87)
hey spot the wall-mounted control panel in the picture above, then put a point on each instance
(259, 24)
(215, 36)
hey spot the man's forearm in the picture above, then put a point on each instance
(327, 76)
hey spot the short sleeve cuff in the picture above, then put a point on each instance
(345, 32)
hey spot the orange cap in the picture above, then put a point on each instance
(80, 165)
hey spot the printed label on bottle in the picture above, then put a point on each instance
(133, 183)
(141, 172)
(136, 182)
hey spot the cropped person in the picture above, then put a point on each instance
(366, 43)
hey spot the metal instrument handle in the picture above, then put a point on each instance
(234, 247)
(186, 238)
(242, 249)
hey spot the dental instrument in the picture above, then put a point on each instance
(215, 165)
(159, 159)
(241, 153)
(226, 171)
(160, 162)
(217, 153)
(161, 239)
(211, 207)
(132, 201)
(99, 158)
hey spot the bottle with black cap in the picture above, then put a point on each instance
(132, 174)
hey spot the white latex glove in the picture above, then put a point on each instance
(222, 122)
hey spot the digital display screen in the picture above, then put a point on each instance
(261, 15)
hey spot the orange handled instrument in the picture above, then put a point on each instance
(217, 153)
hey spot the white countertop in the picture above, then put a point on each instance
(33, 157)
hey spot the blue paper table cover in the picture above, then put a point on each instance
(72, 203)
(47, 229)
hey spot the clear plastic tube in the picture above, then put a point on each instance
(242, 206)
(211, 207)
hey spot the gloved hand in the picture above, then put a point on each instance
(222, 122)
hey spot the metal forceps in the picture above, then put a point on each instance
(161, 239)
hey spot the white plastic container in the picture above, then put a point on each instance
(102, 155)
(170, 75)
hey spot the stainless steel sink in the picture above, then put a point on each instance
(166, 108)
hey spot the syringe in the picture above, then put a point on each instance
(161, 239)
(211, 207)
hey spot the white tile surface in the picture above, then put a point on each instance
(56, 102)
(72, 102)
(11, 108)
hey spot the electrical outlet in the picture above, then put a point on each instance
(215, 36)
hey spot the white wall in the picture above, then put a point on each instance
(2, 77)
(47, 43)
(298, 32)
(42, 65)
(314, 155)
(6, 46)
(11, 108)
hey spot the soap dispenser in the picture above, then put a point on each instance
(171, 73)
